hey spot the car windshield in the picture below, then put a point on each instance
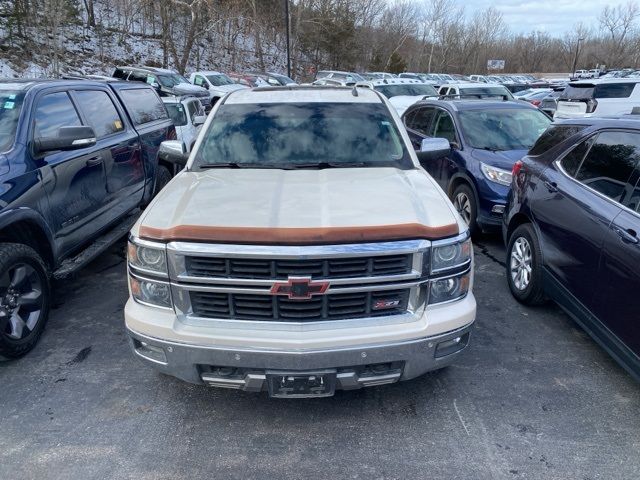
(412, 89)
(503, 128)
(486, 91)
(282, 78)
(219, 79)
(176, 113)
(10, 106)
(303, 135)
(171, 79)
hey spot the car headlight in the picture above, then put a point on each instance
(450, 288)
(446, 255)
(147, 257)
(496, 175)
(150, 292)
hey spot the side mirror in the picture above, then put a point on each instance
(433, 148)
(173, 151)
(68, 138)
(199, 120)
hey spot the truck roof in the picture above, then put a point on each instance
(303, 93)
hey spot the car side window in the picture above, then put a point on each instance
(99, 111)
(192, 108)
(444, 127)
(143, 105)
(632, 200)
(609, 164)
(55, 110)
(572, 160)
(420, 120)
(198, 80)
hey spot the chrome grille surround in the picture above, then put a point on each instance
(412, 281)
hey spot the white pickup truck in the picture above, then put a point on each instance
(302, 250)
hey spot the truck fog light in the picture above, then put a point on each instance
(452, 346)
(450, 288)
(151, 352)
(150, 292)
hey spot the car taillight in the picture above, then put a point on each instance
(171, 134)
(591, 105)
(516, 168)
(535, 103)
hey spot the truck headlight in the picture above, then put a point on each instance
(150, 292)
(496, 175)
(449, 288)
(450, 254)
(147, 256)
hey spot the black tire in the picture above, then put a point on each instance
(163, 176)
(464, 200)
(523, 244)
(25, 298)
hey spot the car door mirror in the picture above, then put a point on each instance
(173, 151)
(433, 148)
(68, 138)
(199, 120)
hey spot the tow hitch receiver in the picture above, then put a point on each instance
(301, 384)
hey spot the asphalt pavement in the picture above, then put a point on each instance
(533, 398)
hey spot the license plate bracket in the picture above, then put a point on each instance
(283, 384)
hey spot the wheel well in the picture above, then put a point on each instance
(29, 233)
(169, 166)
(517, 220)
(460, 181)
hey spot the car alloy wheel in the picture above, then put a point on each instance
(463, 206)
(521, 263)
(21, 301)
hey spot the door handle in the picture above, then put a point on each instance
(93, 161)
(628, 236)
(551, 186)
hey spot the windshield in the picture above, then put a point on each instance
(220, 79)
(303, 135)
(486, 91)
(176, 113)
(10, 106)
(171, 80)
(283, 79)
(503, 128)
(411, 89)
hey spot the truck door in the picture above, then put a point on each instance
(119, 148)
(74, 180)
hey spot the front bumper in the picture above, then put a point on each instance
(355, 367)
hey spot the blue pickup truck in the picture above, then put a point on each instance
(77, 160)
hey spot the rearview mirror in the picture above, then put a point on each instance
(199, 120)
(433, 148)
(68, 138)
(173, 151)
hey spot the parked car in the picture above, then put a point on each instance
(603, 97)
(475, 90)
(343, 78)
(487, 137)
(248, 79)
(378, 75)
(77, 157)
(479, 78)
(535, 98)
(216, 83)
(166, 82)
(572, 228)
(188, 116)
(402, 92)
(324, 257)
(275, 79)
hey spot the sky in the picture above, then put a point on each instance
(552, 16)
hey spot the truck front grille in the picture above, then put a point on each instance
(282, 268)
(336, 306)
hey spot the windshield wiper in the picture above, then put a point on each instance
(322, 165)
(207, 166)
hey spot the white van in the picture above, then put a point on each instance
(605, 97)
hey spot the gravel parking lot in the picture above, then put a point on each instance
(534, 397)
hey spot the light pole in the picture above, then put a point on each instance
(287, 23)
(575, 57)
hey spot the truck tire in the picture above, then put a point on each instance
(163, 176)
(524, 266)
(25, 297)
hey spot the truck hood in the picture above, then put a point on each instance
(501, 159)
(340, 205)
(229, 88)
(188, 89)
(402, 102)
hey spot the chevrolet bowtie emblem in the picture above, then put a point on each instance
(299, 288)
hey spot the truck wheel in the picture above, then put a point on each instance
(163, 177)
(524, 266)
(465, 202)
(25, 295)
